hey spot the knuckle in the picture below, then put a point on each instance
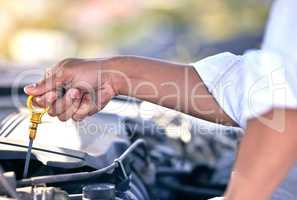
(62, 68)
(67, 62)
(50, 97)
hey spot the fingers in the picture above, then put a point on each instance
(40, 88)
(54, 78)
(61, 105)
(46, 99)
(72, 104)
(87, 106)
(92, 112)
(90, 106)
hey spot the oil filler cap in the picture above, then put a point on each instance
(101, 191)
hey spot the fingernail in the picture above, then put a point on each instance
(31, 86)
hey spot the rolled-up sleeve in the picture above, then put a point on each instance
(249, 85)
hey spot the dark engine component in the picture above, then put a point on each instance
(117, 181)
(135, 162)
(99, 191)
(102, 157)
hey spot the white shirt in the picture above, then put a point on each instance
(247, 86)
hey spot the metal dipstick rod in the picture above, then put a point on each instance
(35, 119)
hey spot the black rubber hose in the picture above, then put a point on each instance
(81, 175)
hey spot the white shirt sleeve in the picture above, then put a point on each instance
(249, 85)
(281, 31)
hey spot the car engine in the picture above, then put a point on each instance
(111, 157)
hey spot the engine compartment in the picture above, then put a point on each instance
(108, 156)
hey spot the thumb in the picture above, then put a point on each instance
(41, 87)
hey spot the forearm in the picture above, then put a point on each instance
(265, 157)
(172, 85)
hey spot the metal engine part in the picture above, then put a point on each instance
(39, 193)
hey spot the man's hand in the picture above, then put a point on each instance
(88, 89)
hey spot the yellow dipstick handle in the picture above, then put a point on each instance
(36, 115)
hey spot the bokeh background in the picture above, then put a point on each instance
(41, 32)
(35, 34)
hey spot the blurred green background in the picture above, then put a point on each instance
(45, 31)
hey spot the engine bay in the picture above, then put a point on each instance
(108, 156)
